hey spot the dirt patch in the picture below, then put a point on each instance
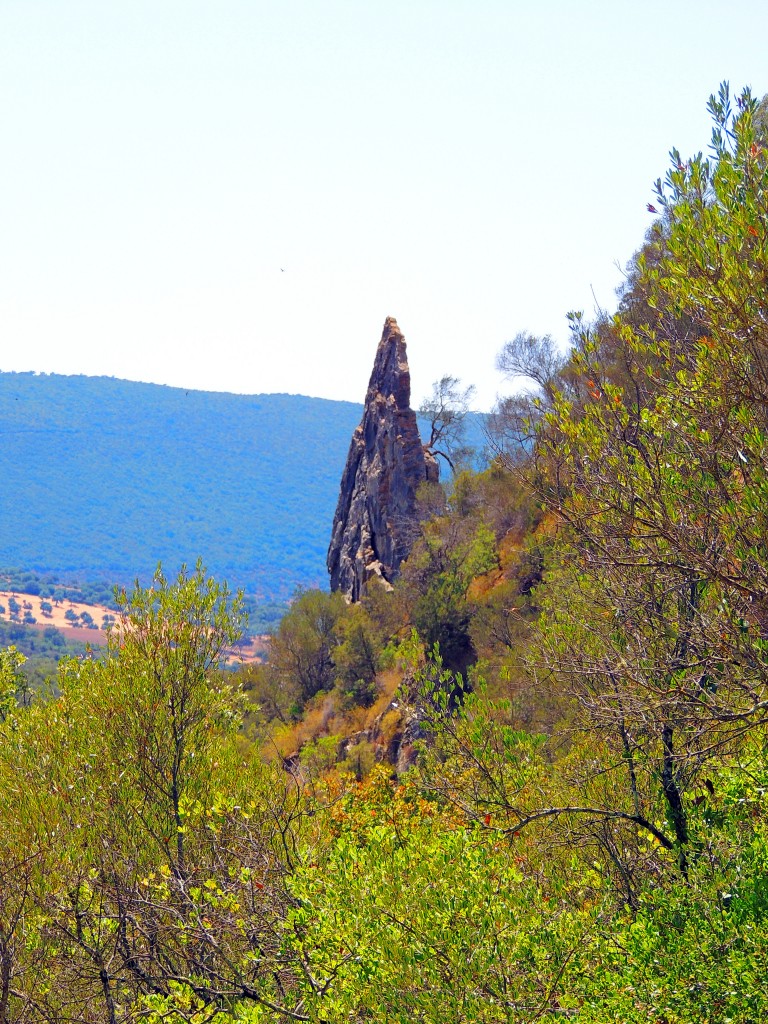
(31, 604)
(74, 627)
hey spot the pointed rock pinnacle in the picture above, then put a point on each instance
(376, 518)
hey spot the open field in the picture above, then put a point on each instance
(75, 626)
(57, 616)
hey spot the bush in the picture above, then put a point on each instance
(360, 760)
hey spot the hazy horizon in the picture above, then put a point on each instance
(235, 197)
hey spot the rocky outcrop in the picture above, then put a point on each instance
(376, 517)
(393, 736)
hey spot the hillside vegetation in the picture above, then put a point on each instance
(528, 784)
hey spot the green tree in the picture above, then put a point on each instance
(160, 676)
(12, 680)
(357, 656)
(663, 488)
(451, 552)
(154, 852)
(301, 651)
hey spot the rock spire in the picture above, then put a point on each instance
(376, 516)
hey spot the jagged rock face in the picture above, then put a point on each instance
(376, 518)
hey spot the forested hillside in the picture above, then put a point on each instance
(105, 478)
(527, 783)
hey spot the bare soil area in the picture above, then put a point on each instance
(58, 614)
(75, 629)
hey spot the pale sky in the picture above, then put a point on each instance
(233, 195)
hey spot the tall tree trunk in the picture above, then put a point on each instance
(5, 978)
(673, 797)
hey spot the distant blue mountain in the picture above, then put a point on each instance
(104, 478)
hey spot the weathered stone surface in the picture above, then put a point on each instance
(376, 516)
